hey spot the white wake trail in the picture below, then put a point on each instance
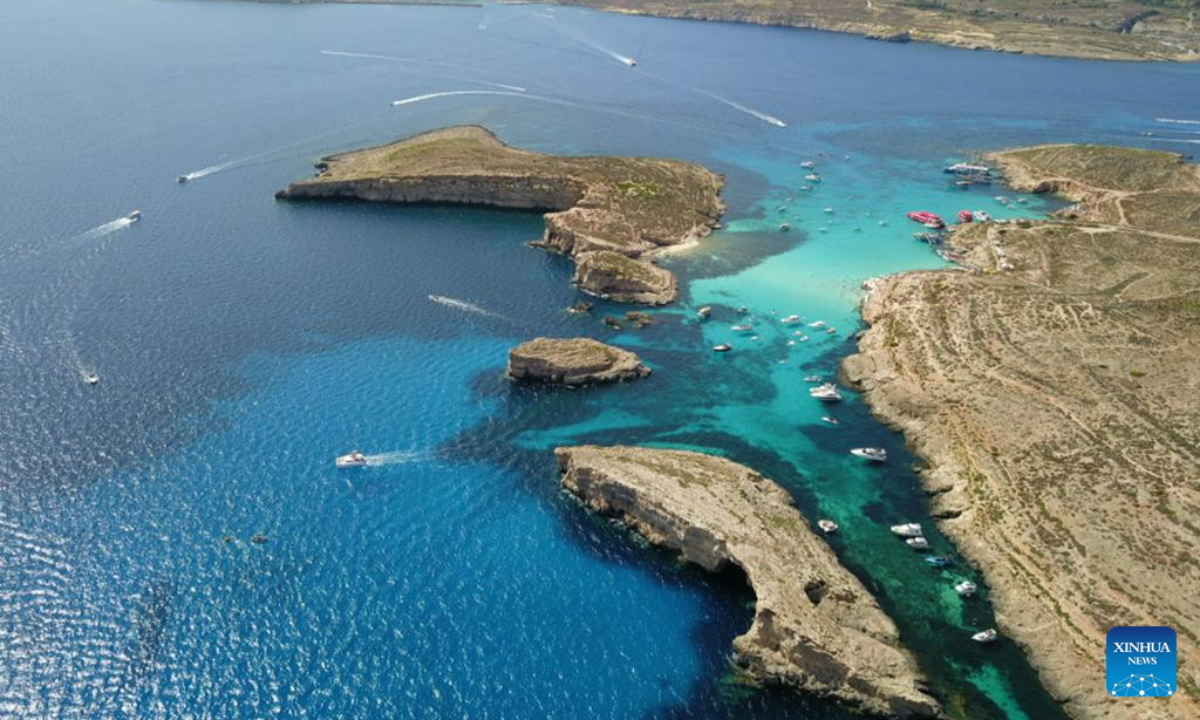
(452, 93)
(430, 63)
(1177, 122)
(101, 230)
(748, 110)
(392, 458)
(465, 306)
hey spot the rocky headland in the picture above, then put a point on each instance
(573, 362)
(815, 628)
(596, 208)
(1057, 405)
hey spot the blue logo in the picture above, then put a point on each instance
(1140, 661)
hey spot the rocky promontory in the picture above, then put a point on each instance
(815, 628)
(1053, 396)
(573, 361)
(634, 207)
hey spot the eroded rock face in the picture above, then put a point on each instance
(618, 277)
(634, 207)
(573, 361)
(816, 628)
(1055, 405)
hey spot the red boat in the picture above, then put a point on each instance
(965, 216)
(927, 218)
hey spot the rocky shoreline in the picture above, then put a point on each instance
(611, 215)
(1056, 408)
(815, 628)
(573, 362)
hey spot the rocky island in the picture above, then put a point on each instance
(815, 628)
(573, 362)
(611, 214)
(1058, 408)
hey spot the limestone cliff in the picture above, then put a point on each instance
(815, 628)
(630, 206)
(573, 361)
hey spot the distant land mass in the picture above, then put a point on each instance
(1097, 29)
(1057, 404)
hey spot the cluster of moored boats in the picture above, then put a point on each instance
(914, 537)
(745, 326)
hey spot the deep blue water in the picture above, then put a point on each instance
(243, 343)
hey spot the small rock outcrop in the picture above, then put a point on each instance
(816, 628)
(634, 207)
(573, 361)
(618, 277)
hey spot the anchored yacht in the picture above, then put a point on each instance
(917, 543)
(723, 347)
(986, 636)
(940, 560)
(873, 454)
(826, 392)
(908, 530)
(91, 378)
(790, 320)
(827, 526)
(354, 459)
(966, 588)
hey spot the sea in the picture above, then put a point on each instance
(175, 540)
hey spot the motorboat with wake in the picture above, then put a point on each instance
(873, 454)
(351, 460)
(908, 530)
(134, 216)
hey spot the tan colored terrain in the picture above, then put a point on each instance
(1096, 29)
(816, 628)
(1105, 29)
(573, 361)
(595, 206)
(1058, 408)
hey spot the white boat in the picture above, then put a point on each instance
(806, 188)
(629, 61)
(790, 320)
(966, 588)
(817, 324)
(808, 164)
(831, 331)
(91, 378)
(917, 543)
(883, 223)
(828, 210)
(827, 526)
(742, 328)
(986, 636)
(723, 347)
(812, 378)
(784, 227)
(704, 312)
(870, 453)
(134, 216)
(826, 393)
(813, 177)
(981, 216)
(830, 420)
(353, 459)
(908, 530)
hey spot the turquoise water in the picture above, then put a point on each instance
(242, 344)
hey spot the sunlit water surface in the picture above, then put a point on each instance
(243, 343)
